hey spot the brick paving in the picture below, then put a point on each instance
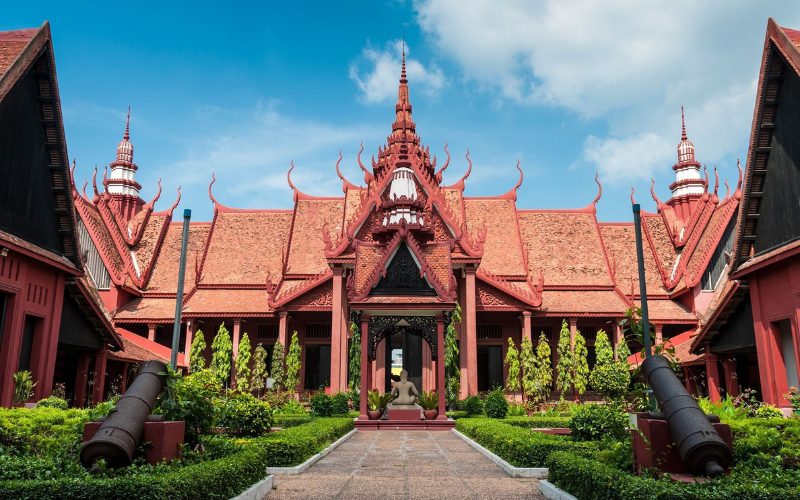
(404, 465)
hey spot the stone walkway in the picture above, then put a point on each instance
(404, 465)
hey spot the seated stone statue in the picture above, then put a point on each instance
(404, 392)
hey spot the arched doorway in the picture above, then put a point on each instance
(403, 336)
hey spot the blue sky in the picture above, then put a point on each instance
(570, 88)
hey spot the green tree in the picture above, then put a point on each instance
(527, 361)
(197, 359)
(564, 367)
(452, 372)
(293, 364)
(355, 357)
(221, 352)
(278, 369)
(623, 352)
(243, 364)
(512, 364)
(544, 370)
(609, 377)
(580, 365)
(259, 376)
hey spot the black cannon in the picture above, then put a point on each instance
(701, 448)
(116, 439)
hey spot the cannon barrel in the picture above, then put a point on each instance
(701, 448)
(116, 439)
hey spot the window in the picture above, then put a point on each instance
(29, 330)
(719, 260)
(3, 302)
(490, 332)
(266, 332)
(318, 331)
(784, 330)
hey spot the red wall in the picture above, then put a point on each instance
(37, 290)
(775, 296)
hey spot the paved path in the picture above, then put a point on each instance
(407, 465)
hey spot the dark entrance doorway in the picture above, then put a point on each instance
(403, 352)
(490, 367)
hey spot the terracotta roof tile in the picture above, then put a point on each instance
(455, 198)
(668, 311)
(252, 301)
(102, 237)
(709, 240)
(662, 244)
(146, 247)
(246, 246)
(437, 257)
(164, 278)
(682, 344)
(620, 240)
(566, 246)
(503, 249)
(146, 308)
(367, 257)
(352, 202)
(306, 255)
(138, 349)
(12, 43)
(600, 302)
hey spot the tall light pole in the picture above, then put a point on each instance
(176, 328)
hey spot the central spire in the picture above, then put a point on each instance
(403, 128)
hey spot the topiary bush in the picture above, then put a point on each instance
(321, 405)
(245, 415)
(340, 403)
(496, 405)
(53, 402)
(592, 422)
(472, 405)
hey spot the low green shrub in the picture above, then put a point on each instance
(496, 405)
(321, 405)
(518, 446)
(191, 398)
(221, 478)
(245, 415)
(760, 442)
(538, 422)
(472, 405)
(291, 407)
(291, 420)
(592, 422)
(41, 432)
(456, 414)
(517, 410)
(340, 403)
(53, 402)
(768, 411)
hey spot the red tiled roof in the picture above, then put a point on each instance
(164, 277)
(101, 237)
(783, 251)
(138, 349)
(227, 301)
(146, 247)
(620, 240)
(12, 43)
(245, 247)
(659, 239)
(669, 311)
(566, 246)
(682, 344)
(582, 302)
(306, 248)
(142, 309)
(709, 239)
(502, 251)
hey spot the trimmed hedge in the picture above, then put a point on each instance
(535, 422)
(291, 420)
(589, 479)
(519, 447)
(221, 478)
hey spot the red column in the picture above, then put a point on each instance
(99, 386)
(151, 332)
(659, 334)
(731, 380)
(46, 368)
(124, 382)
(187, 345)
(526, 325)
(712, 376)
(237, 335)
(440, 384)
(765, 351)
(617, 337)
(462, 346)
(427, 365)
(471, 327)
(336, 331)
(573, 328)
(81, 380)
(283, 327)
(379, 368)
(364, 368)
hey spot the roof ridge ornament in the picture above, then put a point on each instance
(599, 189)
(439, 175)
(738, 192)
(633, 191)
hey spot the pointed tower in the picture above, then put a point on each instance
(689, 186)
(121, 184)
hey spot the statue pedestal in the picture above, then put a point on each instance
(404, 412)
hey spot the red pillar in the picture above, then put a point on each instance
(573, 328)
(46, 360)
(237, 335)
(379, 368)
(617, 337)
(440, 383)
(283, 327)
(336, 331)
(471, 329)
(81, 380)
(526, 325)
(427, 365)
(766, 349)
(659, 334)
(712, 376)
(362, 410)
(124, 382)
(187, 346)
(731, 380)
(151, 332)
(99, 386)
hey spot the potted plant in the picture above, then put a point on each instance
(23, 387)
(377, 402)
(429, 401)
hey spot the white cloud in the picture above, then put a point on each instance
(627, 65)
(377, 71)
